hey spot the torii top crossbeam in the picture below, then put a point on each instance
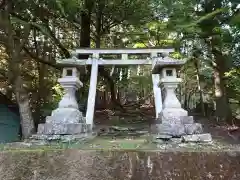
(125, 60)
(123, 51)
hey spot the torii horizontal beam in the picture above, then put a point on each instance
(78, 62)
(123, 51)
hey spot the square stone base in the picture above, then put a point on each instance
(65, 115)
(183, 125)
(197, 138)
(63, 129)
(173, 115)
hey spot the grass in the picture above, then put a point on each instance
(123, 144)
(110, 143)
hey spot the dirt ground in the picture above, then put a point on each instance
(222, 133)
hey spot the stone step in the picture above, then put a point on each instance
(197, 138)
(58, 137)
(63, 129)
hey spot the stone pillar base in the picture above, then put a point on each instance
(64, 132)
(63, 129)
(176, 126)
(65, 115)
(172, 115)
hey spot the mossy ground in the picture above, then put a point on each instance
(125, 143)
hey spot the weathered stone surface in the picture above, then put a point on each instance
(49, 119)
(163, 129)
(175, 130)
(65, 116)
(169, 84)
(77, 137)
(187, 119)
(178, 130)
(197, 138)
(54, 137)
(45, 137)
(38, 138)
(70, 85)
(172, 115)
(194, 128)
(176, 140)
(62, 129)
(118, 165)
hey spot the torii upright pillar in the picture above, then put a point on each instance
(156, 90)
(92, 90)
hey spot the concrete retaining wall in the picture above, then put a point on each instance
(119, 165)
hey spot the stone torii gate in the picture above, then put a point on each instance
(68, 120)
(95, 60)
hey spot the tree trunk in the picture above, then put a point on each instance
(85, 33)
(42, 91)
(215, 45)
(24, 107)
(13, 49)
(9, 91)
(196, 64)
(185, 103)
(223, 110)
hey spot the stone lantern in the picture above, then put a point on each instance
(169, 81)
(173, 120)
(172, 115)
(66, 119)
(68, 110)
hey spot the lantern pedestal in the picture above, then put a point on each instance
(172, 110)
(65, 122)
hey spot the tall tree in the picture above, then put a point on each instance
(207, 20)
(15, 37)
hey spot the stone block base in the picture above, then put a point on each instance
(65, 116)
(63, 129)
(173, 115)
(62, 138)
(186, 119)
(174, 123)
(197, 138)
(175, 130)
(194, 128)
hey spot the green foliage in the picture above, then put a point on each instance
(47, 107)
(234, 81)
(181, 24)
